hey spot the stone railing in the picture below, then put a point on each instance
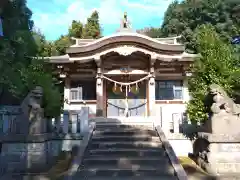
(77, 161)
(8, 116)
(179, 171)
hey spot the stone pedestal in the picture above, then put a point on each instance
(218, 148)
(29, 154)
(224, 153)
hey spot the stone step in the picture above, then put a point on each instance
(125, 162)
(126, 132)
(133, 138)
(229, 176)
(123, 126)
(161, 170)
(131, 178)
(127, 152)
(123, 144)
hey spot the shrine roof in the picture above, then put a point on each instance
(124, 43)
(128, 37)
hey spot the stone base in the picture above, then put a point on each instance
(224, 155)
(29, 156)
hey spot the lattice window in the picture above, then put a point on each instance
(169, 90)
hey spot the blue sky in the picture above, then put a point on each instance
(53, 17)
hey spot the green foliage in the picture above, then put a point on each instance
(19, 72)
(76, 29)
(184, 17)
(36, 74)
(151, 32)
(217, 65)
(62, 44)
(16, 45)
(92, 28)
(44, 48)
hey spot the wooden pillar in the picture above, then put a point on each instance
(186, 95)
(67, 93)
(151, 89)
(66, 105)
(151, 96)
(99, 89)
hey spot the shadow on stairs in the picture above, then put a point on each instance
(118, 151)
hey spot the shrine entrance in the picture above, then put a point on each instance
(126, 96)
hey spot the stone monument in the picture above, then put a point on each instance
(218, 148)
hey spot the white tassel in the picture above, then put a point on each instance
(136, 86)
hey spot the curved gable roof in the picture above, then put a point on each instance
(126, 38)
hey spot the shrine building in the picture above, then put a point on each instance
(126, 76)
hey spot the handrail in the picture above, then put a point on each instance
(180, 172)
(77, 161)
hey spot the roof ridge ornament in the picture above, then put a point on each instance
(125, 24)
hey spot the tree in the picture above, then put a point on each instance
(151, 32)
(16, 46)
(217, 65)
(76, 29)
(19, 71)
(92, 29)
(62, 44)
(44, 48)
(185, 16)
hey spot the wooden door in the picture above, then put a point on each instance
(136, 101)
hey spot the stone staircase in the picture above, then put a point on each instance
(125, 152)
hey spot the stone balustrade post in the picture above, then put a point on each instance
(84, 123)
(65, 121)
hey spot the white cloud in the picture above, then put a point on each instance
(155, 7)
(110, 12)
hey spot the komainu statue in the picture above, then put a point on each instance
(225, 112)
(223, 103)
(219, 131)
(36, 112)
